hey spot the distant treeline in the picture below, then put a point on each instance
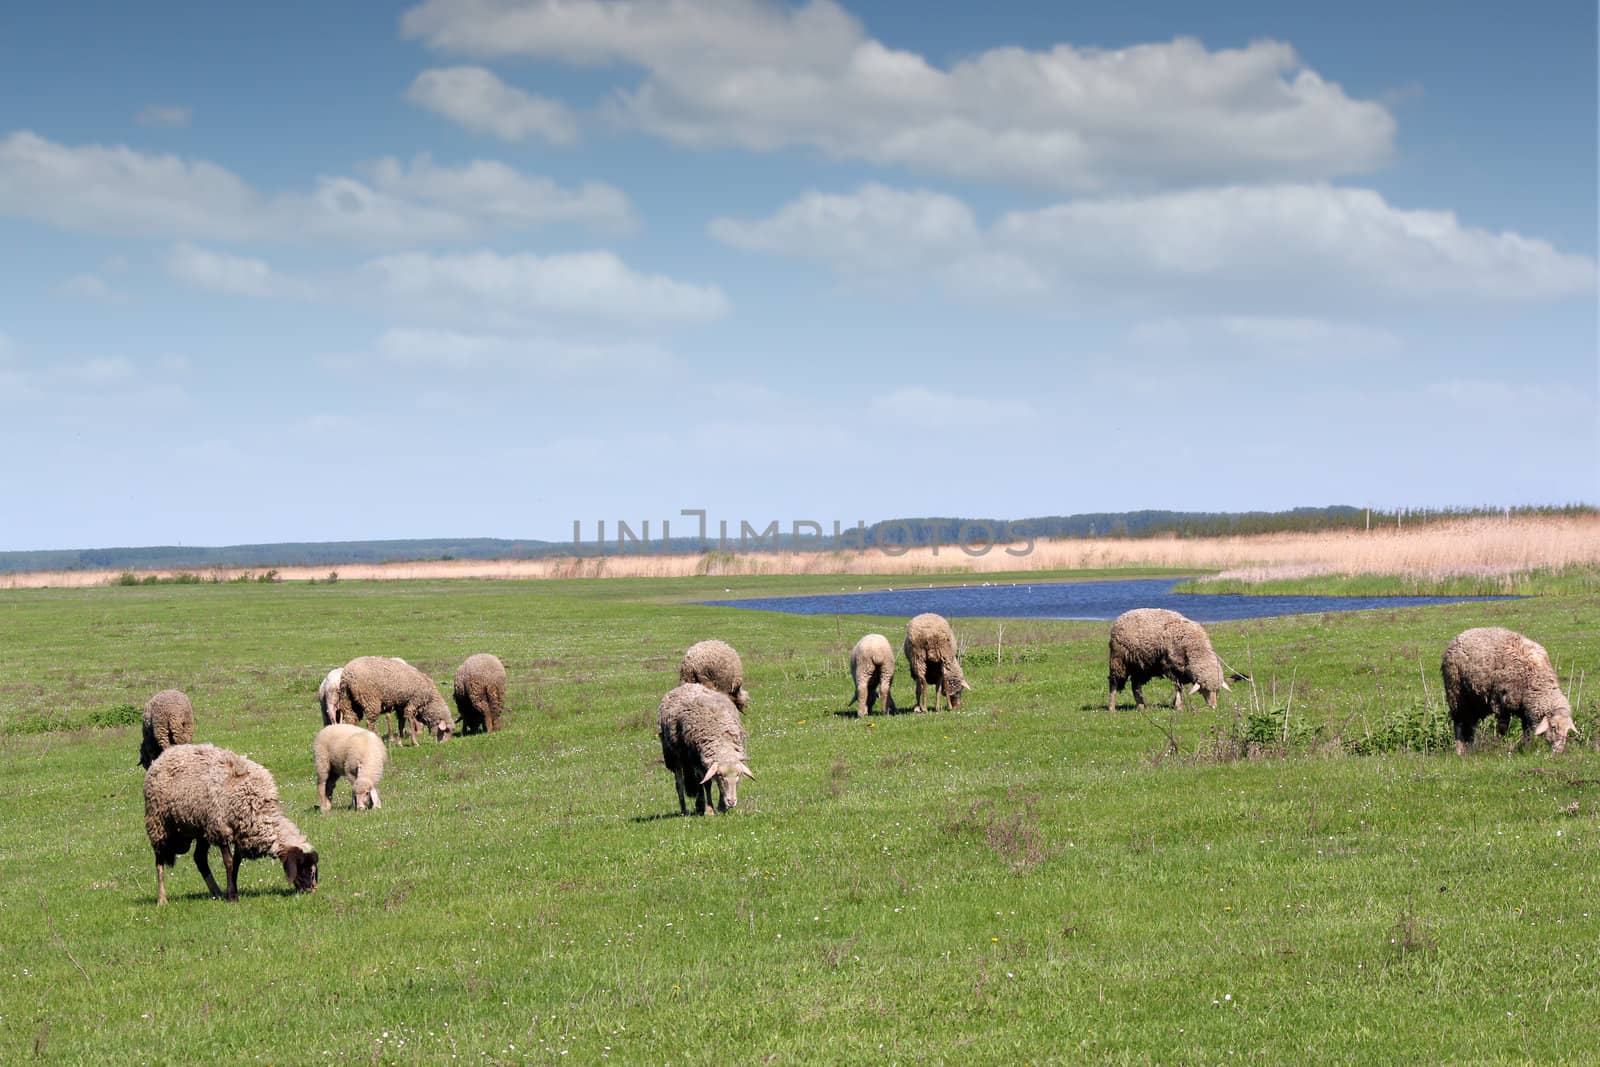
(892, 533)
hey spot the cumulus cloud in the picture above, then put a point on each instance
(91, 287)
(236, 275)
(119, 191)
(932, 407)
(1286, 250)
(763, 75)
(873, 229)
(596, 286)
(478, 100)
(496, 193)
(165, 116)
(1269, 337)
(459, 351)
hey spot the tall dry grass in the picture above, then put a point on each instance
(1472, 547)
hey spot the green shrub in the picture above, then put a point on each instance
(119, 715)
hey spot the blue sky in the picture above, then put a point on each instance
(477, 268)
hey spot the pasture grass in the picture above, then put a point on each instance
(1543, 581)
(1030, 878)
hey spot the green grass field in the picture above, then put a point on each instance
(1027, 879)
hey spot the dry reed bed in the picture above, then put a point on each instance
(1476, 547)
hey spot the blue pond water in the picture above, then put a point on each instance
(1076, 600)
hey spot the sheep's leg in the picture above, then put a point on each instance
(202, 860)
(885, 697)
(161, 883)
(1138, 691)
(863, 698)
(1116, 685)
(230, 867)
(325, 783)
(683, 802)
(1464, 730)
(922, 689)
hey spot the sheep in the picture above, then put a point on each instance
(930, 649)
(211, 796)
(872, 671)
(1490, 670)
(701, 740)
(716, 665)
(328, 698)
(333, 709)
(355, 753)
(480, 693)
(168, 721)
(1151, 643)
(375, 686)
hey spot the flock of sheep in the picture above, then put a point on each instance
(208, 796)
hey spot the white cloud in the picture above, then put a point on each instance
(235, 275)
(596, 286)
(762, 75)
(874, 229)
(920, 406)
(164, 116)
(502, 195)
(1515, 401)
(1292, 251)
(452, 350)
(478, 100)
(1287, 339)
(120, 191)
(91, 287)
(98, 373)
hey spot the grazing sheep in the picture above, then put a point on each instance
(1490, 670)
(168, 721)
(716, 665)
(1151, 643)
(375, 686)
(931, 652)
(210, 796)
(872, 670)
(328, 698)
(355, 753)
(701, 740)
(480, 692)
(333, 709)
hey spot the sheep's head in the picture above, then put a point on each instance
(741, 697)
(1209, 680)
(300, 867)
(954, 683)
(436, 716)
(1555, 725)
(727, 775)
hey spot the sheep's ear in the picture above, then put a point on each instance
(711, 772)
(1193, 687)
(966, 685)
(746, 771)
(1542, 729)
(1226, 686)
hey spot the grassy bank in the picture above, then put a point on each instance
(1030, 878)
(1565, 581)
